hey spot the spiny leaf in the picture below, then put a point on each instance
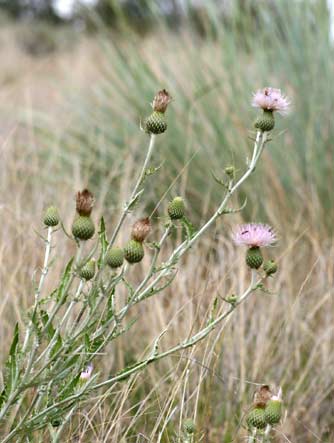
(103, 242)
(64, 281)
(50, 330)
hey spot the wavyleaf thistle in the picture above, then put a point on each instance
(269, 100)
(156, 122)
(83, 227)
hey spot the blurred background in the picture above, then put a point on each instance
(76, 78)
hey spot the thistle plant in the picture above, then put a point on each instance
(264, 414)
(49, 370)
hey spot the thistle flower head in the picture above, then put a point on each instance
(271, 99)
(85, 375)
(84, 202)
(254, 235)
(161, 101)
(141, 229)
(262, 396)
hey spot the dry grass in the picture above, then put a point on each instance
(284, 338)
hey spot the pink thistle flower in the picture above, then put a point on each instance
(271, 99)
(85, 375)
(254, 235)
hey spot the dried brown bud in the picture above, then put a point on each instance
(161, 101)
(262, 396)
(141, 229)
(85, 202)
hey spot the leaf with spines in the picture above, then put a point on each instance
(11, 365)
(50, 330)
(103, 242)
(61, 295)
(188, 228)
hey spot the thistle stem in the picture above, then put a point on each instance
(136, 192)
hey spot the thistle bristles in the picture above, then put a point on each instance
(84, 202)
(161, 101)
(141, 229)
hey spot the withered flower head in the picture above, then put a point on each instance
(141, 229)
(85, 202)
(262, 396)
(161, 101)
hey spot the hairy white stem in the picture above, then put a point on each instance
(136, 192)
(38, 291)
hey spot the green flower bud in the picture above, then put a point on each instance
(254, 257)
(155, 123)
(176, 208)
(266, 121)
(189, 426)
(87, 272)
(255, 418)
(230, 171)
(273, 411)
(51, 216)
(114, 257)
(83, 227)
(270, 267)
(134, 251)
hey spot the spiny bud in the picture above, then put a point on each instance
(255, 418)
(232, 299)
(176, 208)
(254, 257)
(87, 272)
(230, 171)
(189, 426)
(266, 121)
(273, 411)
(270, 267)
(114, 257)
(84, 202)
(134, 251)
(156, 123)
(83, 228)
(51, 216)
(141, 229)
